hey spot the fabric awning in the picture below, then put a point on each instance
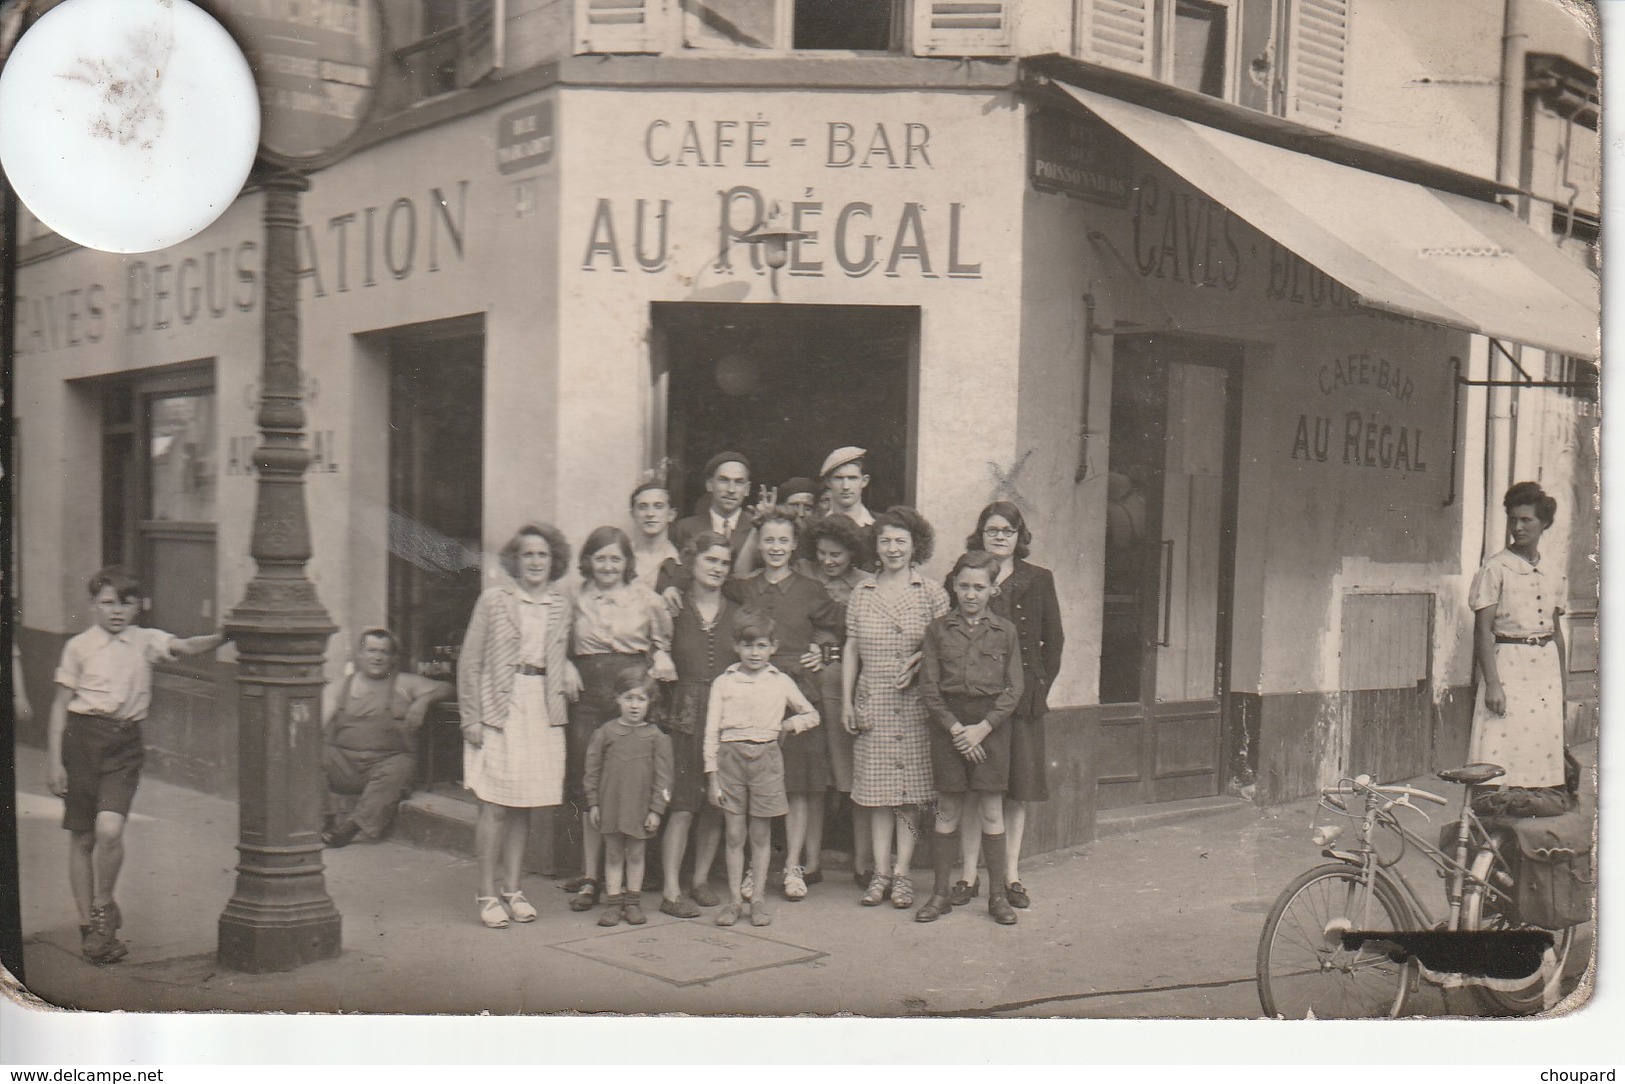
(1401, 247)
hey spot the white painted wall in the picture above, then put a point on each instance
(626, 146)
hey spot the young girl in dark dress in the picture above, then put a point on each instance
(799, 608)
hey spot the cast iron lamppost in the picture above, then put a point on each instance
(280, 916)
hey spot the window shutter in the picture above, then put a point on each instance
(617, 26)
(1118, 33)
(1318, 51)
(962, 27)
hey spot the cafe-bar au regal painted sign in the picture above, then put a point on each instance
(316, 63)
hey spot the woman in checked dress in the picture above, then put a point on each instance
(1518, 643)
(512, 681)
(885, 628)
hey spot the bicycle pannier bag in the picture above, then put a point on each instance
(1552, 866)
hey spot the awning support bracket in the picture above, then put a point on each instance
(1528, 380)
(1459, 382)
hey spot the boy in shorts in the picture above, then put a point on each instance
(752, 704)
(104, 687)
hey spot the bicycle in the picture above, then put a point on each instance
(1304, 965)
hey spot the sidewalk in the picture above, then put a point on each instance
(1159, 920)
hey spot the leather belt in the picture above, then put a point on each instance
(1527, 641)
(532, 671)
(108, 720)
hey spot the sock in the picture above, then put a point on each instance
(998, 867)
(944, 853)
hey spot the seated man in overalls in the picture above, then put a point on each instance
(369, 738)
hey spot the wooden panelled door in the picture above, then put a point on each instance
(1170, 532)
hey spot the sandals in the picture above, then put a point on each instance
(878, 887)
(519, 907)
(902, 893)
(492, 913)
(586, 897)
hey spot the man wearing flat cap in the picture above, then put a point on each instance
(846, 477)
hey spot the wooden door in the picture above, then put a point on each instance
(1169, 562)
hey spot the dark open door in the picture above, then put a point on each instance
(1169, 562)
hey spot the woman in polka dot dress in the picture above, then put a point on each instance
(1518, 641)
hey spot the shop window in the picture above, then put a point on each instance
(1579, 378)
(849, 25)
(160, 476)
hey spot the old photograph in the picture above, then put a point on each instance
(905, 508)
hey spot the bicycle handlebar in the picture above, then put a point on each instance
(1356, 786)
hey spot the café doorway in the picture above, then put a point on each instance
(786, 385)
(1170, 560)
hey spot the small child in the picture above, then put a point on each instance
(628, 785)
(752, 704)
(970, 680)
(104, 687)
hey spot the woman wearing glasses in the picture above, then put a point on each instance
(1025, 595)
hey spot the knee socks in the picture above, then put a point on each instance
(998, 867)
(944, 853)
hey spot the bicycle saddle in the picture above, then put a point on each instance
(1472, 774)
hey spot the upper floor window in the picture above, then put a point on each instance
(1199, 47)
(780, 25)
(441, 45)
(953, 28)
(1286, 57)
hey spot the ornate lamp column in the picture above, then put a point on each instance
(280, 916)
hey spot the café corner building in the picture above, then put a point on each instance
(1216, 365)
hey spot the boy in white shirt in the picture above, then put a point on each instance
(752, 704)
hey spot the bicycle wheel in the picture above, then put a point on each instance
(1479, 913)
(1303, 967)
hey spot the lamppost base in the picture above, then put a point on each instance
(257, 946)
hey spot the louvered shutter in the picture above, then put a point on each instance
(962, 27)
(1118, 33)
(618, 26)
(1316, 61)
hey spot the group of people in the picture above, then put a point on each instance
(696, 682)
(697, 678)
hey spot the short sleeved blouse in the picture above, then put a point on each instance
(1526, 597)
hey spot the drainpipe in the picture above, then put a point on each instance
(1500, 403)
(1514, 46)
